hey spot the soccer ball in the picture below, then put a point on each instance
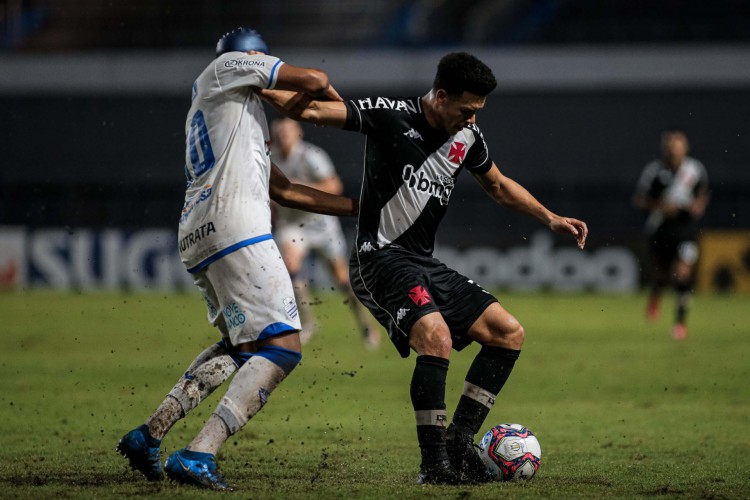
(510, 451)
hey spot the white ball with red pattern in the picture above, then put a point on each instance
(510, 452)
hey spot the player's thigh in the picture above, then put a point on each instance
(254, 293)
(460, 300)
(339, 270)
(330, 244)
(393, 285)
(294, 247)
(210, 297)
(663, 253)
(497, 327)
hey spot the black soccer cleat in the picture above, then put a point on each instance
(463, 456)
(439, 472)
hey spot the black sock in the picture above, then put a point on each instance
(683, 299)
(486, 377)
(428, 399)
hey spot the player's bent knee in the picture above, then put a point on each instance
(511, 338)
(518, 336)
(435, 343)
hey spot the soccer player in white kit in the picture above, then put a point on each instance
(298, 233)
(225, 243)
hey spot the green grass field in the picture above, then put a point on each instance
(621, 410)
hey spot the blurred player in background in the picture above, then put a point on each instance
(225, 242)
(415, 149)
(298, 233)
(674, 191)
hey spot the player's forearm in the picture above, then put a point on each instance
(331, 185)
(288, 103)
(310, 81)
(311, 200)
(512, 195)
(698, 207)
(301, 107)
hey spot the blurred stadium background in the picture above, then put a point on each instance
(93, 97)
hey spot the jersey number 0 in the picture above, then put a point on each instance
(201, 154)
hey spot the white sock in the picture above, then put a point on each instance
(245, 397)
(207, 372)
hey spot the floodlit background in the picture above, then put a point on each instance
(93, 97)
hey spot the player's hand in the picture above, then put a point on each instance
(572, 226)
(669, 210)
(330, 94)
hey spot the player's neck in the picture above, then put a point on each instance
(428, 105)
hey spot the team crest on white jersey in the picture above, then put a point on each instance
(290, 306)
(413, 134)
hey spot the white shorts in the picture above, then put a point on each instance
(324, 236)
(249, 294)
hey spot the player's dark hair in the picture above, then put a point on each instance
(459, 71)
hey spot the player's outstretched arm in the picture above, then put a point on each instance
(299, 106)
(310, 81)
(509, 193)
(299, 196)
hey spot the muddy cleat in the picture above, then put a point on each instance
(142, 451)
(437, 473)
(196, 468)
(679, 332)
(464, 457)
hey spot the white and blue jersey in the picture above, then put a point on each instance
(227, 160)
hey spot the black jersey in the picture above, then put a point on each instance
(410, 171)
(680, 188)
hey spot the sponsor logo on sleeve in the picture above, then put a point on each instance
(244, 63)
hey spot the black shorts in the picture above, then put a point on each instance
(666, 241)
(399, 287)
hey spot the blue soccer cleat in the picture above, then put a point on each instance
(196, 468)
(142, 451)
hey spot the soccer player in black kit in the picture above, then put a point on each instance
(415, 149)
(674, 191)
